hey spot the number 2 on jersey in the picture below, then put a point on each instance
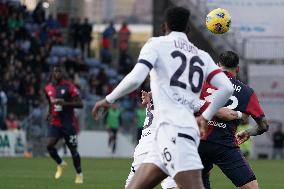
(192, 69)
(233, 101)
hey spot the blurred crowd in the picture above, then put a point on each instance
(31, 42)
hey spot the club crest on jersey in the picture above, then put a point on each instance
(62, 91)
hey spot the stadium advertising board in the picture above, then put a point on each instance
(268, 83)
(254, 17)
(12, 143)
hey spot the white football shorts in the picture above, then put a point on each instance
(175, 149)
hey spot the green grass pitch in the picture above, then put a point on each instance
(37, 173)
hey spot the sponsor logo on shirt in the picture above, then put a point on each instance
(217, 124)
(146, 134)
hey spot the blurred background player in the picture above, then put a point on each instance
(278, 143)
(220, 146)
(63, 97)
(140, 116)
(113, 121)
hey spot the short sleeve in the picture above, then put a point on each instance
(73, 90)
(148, 54)
(253, 108)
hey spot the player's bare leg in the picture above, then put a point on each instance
(189, 179)
(147, 177)
(251, 185)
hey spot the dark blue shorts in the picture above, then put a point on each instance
(230, 160)
(67, 132)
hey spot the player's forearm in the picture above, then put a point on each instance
(226, 114)
(131, 82)
(262, 127)
(225, 90)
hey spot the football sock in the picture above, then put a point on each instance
(54, 155)
(77, 162)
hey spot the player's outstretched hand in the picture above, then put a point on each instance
(146, 97)
(202, 124)
(242, 136)
(100, 105)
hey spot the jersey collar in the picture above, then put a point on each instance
(229, 74)
(178, 34)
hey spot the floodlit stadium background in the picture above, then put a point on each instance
(257, 35)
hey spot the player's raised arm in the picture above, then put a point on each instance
(199, 106)
(225, 89)
(133, 80)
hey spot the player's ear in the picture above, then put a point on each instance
(238, 69)
(163, 29)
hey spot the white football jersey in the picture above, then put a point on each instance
(178, 70)
(150, 128)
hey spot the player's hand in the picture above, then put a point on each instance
(202, 124)
(146, 97)
(59, 101)
(242, 136)
(100, 105)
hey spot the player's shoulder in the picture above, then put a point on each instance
(48, 86)
(153, 41)
(67, 82)
(238, 83)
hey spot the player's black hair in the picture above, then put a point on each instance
(229, 59)
(177, 19)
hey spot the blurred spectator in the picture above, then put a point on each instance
(3, 108)
(86, 36)
(108, 40)
(52, 23)
(125, 63)
(278, 143)
(113, 121)
(102, 82)
(11, 122)
(75, 31)
(123, 38)
(3, 102)
(139, 120)
(15, 22)
(106, 56)
(109, 36)
(39, 14)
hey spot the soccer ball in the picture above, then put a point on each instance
(218, 21)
